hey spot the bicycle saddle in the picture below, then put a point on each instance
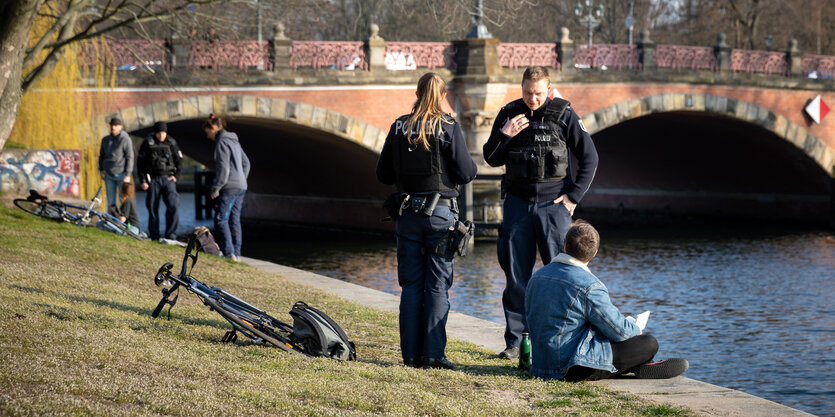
(34, 195)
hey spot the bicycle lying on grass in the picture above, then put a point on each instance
(40, 205)
(313, 333)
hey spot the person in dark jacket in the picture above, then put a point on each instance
(426, 157)
(534, 138)
(115, 159)
(229, 188)
(159, 164)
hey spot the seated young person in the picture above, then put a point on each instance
(576, 333)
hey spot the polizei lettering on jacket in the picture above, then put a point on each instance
(419, 170)
(538, 153)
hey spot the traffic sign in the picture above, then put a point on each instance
(817, 109)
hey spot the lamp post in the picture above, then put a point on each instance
(629, 21)
(479, 31)
(589, 20)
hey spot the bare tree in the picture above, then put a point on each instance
(24, 61)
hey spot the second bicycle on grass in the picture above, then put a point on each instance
(41, 205)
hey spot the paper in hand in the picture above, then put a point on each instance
(641, 320)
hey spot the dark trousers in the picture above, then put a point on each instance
(425, 279)
(228, 220)
(625, 356)
(526, 227)
(161, 188)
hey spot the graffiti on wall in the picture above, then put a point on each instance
(48, 171)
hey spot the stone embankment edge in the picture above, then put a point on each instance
(703, 398)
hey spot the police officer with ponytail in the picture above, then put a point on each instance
(534, 138)
(426, 157)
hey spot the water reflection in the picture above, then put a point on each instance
(749, 310)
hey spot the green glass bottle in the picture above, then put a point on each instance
(525, 352)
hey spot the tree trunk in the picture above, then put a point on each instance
(16, 18)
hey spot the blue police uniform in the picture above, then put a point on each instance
(424, 272)
(157, 161)
(537, 163)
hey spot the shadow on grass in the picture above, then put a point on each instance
(119, 306)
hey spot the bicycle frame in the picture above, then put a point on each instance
(212, 296)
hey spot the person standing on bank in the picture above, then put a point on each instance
(229, 188)
(534, 138)
(159, 165)
(426, 157)
(115, 159)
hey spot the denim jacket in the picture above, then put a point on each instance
(571, 319)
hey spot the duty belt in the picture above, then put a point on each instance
(426, 204)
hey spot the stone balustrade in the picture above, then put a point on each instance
(376, 54)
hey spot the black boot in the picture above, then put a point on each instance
(437, 363)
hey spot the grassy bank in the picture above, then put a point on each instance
(76, 337)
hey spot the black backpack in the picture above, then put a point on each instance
(316, 333)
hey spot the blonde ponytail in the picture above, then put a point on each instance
(427, 114)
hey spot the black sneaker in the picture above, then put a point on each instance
(510, 353)
(662, 369)
(411, 362)
(437, 363)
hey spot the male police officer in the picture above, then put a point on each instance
(160, 162)
(115, 159)
(534, 137)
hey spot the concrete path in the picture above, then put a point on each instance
(703, 398)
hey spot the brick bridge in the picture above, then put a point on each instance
(680, 130)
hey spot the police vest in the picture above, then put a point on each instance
(160, 158)
(538, 153)
(417, 169)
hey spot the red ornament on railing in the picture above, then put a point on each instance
(822, 66)
(515, 55)
(680, 57)
(606, 56)
(765, 62)
(423, 54)
(229, 54)
(328, 54)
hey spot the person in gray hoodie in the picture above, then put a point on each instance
(229, 188)
(115, 159)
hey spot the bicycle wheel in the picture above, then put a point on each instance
(41, 209)
(243, 325)
(116, 225)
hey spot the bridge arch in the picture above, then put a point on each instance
(634, 108)
(291, 180)
(248, 106)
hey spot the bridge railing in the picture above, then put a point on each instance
(125, 53)
(606, 56)
(229, 54)
(413, 55)
(515, 55)
(764, 62)
(328, 54)
(377, 54)
(818, 66)
(681, 57)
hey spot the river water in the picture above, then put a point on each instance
(750, 310)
